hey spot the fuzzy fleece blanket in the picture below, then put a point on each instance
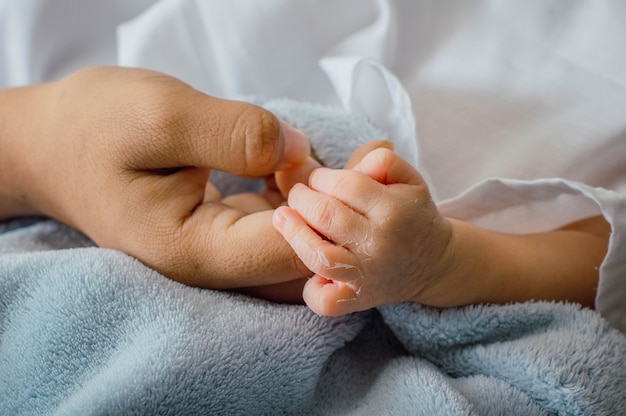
(90, 331)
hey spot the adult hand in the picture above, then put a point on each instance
(123, 155)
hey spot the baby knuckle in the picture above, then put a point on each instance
(299, 265)
(340, 183)
(310, 259)
(322, 214)
(332, 182)
(314, 257)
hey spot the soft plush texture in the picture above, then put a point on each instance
(90, 331)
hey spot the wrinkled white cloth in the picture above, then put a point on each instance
(515, 112)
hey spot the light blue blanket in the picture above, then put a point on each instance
(89, 331)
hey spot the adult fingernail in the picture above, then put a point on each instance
(297, 146)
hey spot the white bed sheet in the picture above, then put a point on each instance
(519, 107)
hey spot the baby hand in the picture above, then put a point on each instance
(371, 235)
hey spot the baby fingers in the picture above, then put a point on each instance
(330, 217)
(352, 188)
(321, 256)
(330, 298)
(386, 167)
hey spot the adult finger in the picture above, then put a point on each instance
(189, 128)
(223, 248)
(248, 202)
(211, 193)
(241, 139)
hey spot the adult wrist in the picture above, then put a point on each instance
(22, 156)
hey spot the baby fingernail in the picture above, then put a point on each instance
(278, 219)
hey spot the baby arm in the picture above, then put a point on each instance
(372, 235)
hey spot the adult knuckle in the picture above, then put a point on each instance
(257, 130)
(168, 246)
(309, 258)
(159, 115)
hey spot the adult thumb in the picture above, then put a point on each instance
(239, 138)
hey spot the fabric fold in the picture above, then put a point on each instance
(86, 330)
